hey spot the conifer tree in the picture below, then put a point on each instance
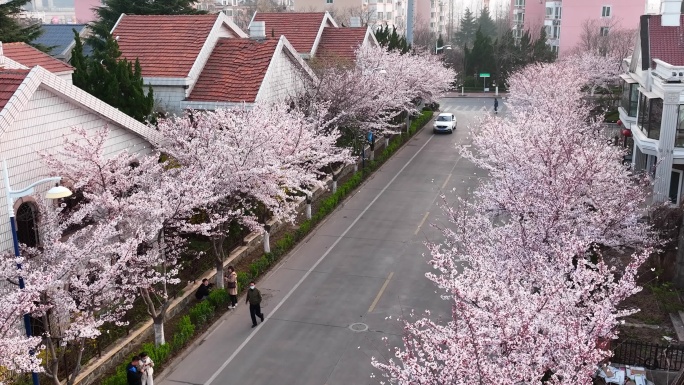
(115, 81)
(486, 24)
(12, 29)
(467, 29)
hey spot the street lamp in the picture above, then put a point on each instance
(447, 46)
(54, 193)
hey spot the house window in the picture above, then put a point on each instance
(519, 3)
(630, 98)
(549, 12)
(679, 138)
(650, 116)
(519, 18)
(228, 12)
(604, 31)
(605, 11)
(557, 12)
(328, 1)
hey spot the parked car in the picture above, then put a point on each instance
(445, 122)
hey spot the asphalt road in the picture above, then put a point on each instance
(331, 302)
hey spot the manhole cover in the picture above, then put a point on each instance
(358, 327)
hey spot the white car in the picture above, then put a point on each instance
(445, 122)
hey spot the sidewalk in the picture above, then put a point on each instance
(457, 94)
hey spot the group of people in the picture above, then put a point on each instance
(230, 279)
(140, 370)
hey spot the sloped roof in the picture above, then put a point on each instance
(30, 57)
(9, 82)
(58, 36)
(234, 71)
(300, 28)
(341, 43)
(167, 46)
(665, 43)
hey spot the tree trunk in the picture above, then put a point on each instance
(267, 241)
(678, 278)
(219, 273)
(159, 331)
(372, 155)
(356, 167)
(387, 141)
(334, 186)
(308, 207)
(71, 378)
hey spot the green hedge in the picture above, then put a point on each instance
(197, 316)
(202, 312)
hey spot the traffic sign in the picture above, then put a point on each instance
(484, 74)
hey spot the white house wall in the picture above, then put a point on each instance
(168, 97)
(283, 79)
(41, 126)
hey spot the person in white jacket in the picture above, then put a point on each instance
(146, 366)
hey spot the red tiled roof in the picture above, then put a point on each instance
(24, 54)
(234, 71)
(9, 82)
(167, 46)
(300, 28)
(341, 43)
(666, 43)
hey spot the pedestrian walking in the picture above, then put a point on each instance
(146, 367)
(254, 301)
(203, 290)
(231, 284)
(133, 373)
(496, 105)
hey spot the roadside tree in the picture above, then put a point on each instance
(528, 265)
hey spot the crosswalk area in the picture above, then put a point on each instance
(469, 108)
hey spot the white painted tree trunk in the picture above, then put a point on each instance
(372, 155)
(308, 209)
(159, 333)
(219, 274)
(356, 167)
(334, 186)
(387, 141)
(267, 242)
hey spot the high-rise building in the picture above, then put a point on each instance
(566, 21)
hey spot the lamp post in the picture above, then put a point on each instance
(54, 193)
(447, 46)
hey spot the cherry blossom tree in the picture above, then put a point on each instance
(152, 202)
(76, 279)
(378, 87)
(525, 263)
(255, 158)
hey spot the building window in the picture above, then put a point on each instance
(328, 1)
(557, 12)
(519, 3)
(432, 3)
(432, 25)
(27, 224)
(432, 15)
(379, 15)
(650, 116)
(605, 11)
(630, 98)
(389, 16)
(604, 31)
(549, 12)
(519, 18)
(228, 12)
(679, 138)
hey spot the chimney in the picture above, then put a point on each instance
(670, 11)
(257, 30)
(354, 21)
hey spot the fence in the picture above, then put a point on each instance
(651, 356)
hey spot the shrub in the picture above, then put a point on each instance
(243, 279)
(158, 354)
(218, 298)
(185, 330)
(200, 313)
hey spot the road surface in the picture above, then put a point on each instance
(331, 302)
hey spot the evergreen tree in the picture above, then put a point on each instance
(391, 39)
(115, 81)
(440, 41)
(466, 31)
(486, 24)
(541, 52)
(481, 56)
(13, 29)
(111, 10)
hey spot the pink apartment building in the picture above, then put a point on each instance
(564, 20)
(84, 10)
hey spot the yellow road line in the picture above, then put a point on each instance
(382, 290)
(421, 223)
(446, 181)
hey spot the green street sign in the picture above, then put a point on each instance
(484, 75)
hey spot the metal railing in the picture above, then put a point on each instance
(650, 356)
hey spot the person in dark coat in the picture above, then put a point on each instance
(496, 105)
(133, 372)
(254, 301)
(204, 289)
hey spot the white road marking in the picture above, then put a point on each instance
(289, 293)
(421, 223)
(445, 182)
